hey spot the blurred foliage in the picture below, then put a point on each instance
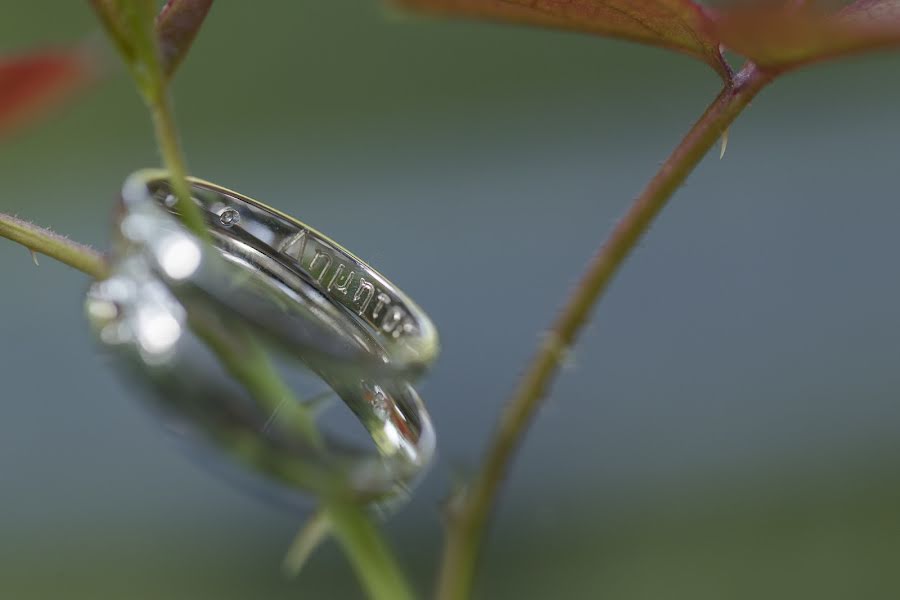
(32, 83)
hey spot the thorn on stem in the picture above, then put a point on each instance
(452, 505)
(553, 344)
(724, 144)
(34, 258)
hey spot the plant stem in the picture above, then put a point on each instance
(37, 239)
(248, 362)
(131, 25)
(367, 550)
(470, 510)
(363, 542)
(166, 131)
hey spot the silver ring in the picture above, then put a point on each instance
(368, 317)
(165, 286)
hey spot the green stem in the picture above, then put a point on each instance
(470, 510)
(367, 550)
(37, 239)
(166, 131)
(131, 25)
(249, 363)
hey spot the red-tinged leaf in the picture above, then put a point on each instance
(780, 39)
(874, 11)
(679, 25)
(176, 27)
(33, 83)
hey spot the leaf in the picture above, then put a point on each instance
(130, 25)
(679, 25)
(127, 21)
(874, 10)
(176, 27)
(31, 84)
(782, 38)
(110, 15)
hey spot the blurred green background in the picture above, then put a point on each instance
(728, 427)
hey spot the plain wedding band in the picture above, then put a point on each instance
(165, 283)
(368, 317)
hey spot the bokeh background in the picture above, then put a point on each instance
(727, 428)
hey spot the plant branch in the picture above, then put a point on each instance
(159, 101)
(247, 360)
(361, 539)
(46, 242)
(470, 509)
(365, 547)
(166, 132)
(131, 25)
(363, 542)
(249, 364)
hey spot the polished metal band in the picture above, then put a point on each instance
(170, 297)
(377, 318)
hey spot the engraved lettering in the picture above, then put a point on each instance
(350, 286)
(383, 301)
(338, 285)
(406, 328)
(367, 289)
(295, 246)
(312, 264)
(392, 319)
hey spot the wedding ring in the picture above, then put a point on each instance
(367, 317)
(173, 306)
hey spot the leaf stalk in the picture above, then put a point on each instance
(470, 510)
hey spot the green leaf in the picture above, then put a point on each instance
(111, 18)
(782, 38)
(678, 25)
(130, 26)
